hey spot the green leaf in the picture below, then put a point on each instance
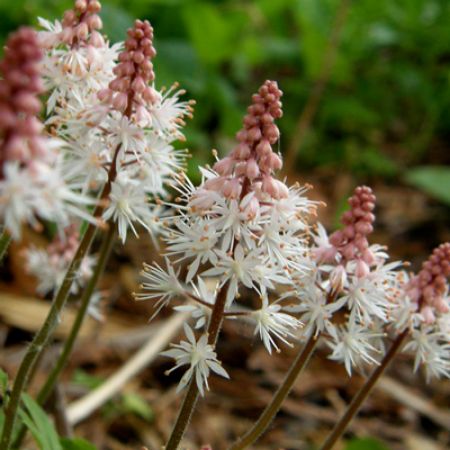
(434, 180)
(3, 382)
(84, 379)
(213, 31)
(365, 444)
(76, 444)
(137, 405)
(39, 424)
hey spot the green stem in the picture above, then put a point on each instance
(362, 395)
(105, 249)
(43, 336)
(273, 407)
(46, 390)
(5, 240)
(191, 397)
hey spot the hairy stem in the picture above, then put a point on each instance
(191, 397)
(43, 336)
(5, 240)
(105, 249)
(46, 390)
(362, 395)
(273, 407)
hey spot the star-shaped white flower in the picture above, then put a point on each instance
(199, 356)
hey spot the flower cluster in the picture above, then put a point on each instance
(117, 127)
(424, 311)
(241, 228)
(350, 290)
(78, 62)
(50, 265)
(32, 183)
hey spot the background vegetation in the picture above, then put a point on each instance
(385, 108)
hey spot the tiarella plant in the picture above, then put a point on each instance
(108, 145)
(103, 160)
(240, 229)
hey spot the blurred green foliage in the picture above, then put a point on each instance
(386, 107)
(365, 444)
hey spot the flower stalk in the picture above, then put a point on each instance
(105, 250)
(363, 393)
(46, 390)
(43, 336)
(191, 397)
(273, 407)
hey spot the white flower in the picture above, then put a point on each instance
(124, 133)
(316, 311)
(50, 270)
(166, 115)
(368, 299)
(271, 321)
(352, 345)
(198, 311)
(39, 191)
(129, 204)
(17, 192)
(432, 350)
(199, 356)
(161, 284)
(232, 223)
(196, 241)
(238, 269)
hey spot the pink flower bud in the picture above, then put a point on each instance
(275, 162)
(252, 171)
(428, 314)
(120, 101)
(264, 148)
(224, 167)
(362, 269)
(242, 151)
(232, 188)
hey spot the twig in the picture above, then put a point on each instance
(312, 104)
(85, 406)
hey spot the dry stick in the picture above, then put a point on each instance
(273, 407)
(46, 390)
(363, 393)
(312, 104)
(43, 336)
(191, 398)
(85, 406)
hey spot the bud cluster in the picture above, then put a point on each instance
(424, 311)
(249, 168)
(50, 265)
(81, 24)
(351, 242)
(352, 278)
(31, 183)
(429, 287)
(130, 90)
(20, 83)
